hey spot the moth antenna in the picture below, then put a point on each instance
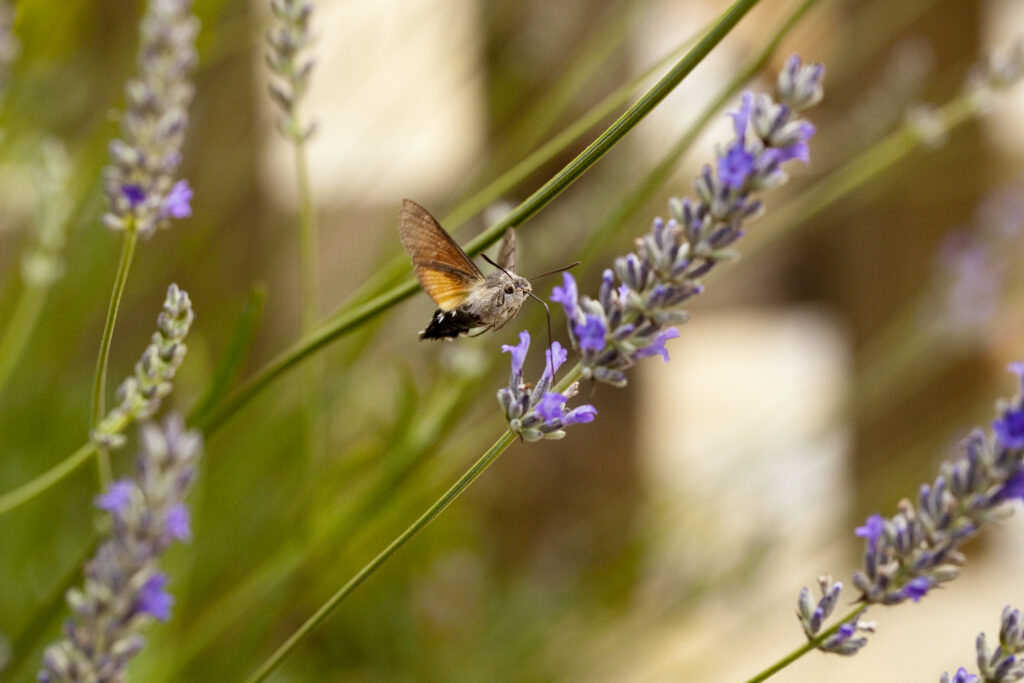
(488, 259)
(557, 270)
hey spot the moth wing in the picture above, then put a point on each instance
(507, 252)
(444, 270)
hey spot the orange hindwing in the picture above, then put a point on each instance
(444, 270)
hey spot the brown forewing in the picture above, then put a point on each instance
(444, 270)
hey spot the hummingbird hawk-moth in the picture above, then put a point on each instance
(466, 298)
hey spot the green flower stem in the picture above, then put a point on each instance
(463, 482)
(426, 518)
(390, 273)
(426, 426)
(99, 384)
(803, 649)
(31, 489)
(663, 171)
(19, 329)
(335, 328)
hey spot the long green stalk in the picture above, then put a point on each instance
(392, 271)
(33, 488)
(335, 328)
(471, 475)
(803, 649)
(99, 384)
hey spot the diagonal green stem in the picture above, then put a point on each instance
(392, 271)
(29, 490)
(426, 518)
(803, 649)
(463, 482)
(335, 328)
(99, 384)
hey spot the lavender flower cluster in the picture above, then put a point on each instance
(124, 587)
(633, 319)
(288, 41)
(536, 413)
(813, 615)
(139, 183)
(912, 552)
(1003, 664)
(42, 263)
(140, 394)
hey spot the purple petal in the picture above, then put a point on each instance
(1012, 487)
(580, 415)
(518, 353)
(555, 357)
(550, 405)
(153, 599)
(917, 588)
(117, 498)
(1009, 428)
(798, 150)
(567, 295)
(657, 346)
(591, 333)
(134, 194)
(735, 166)
(176, 523)
(741, 116)
(178, 202)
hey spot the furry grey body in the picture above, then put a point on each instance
(491, 303)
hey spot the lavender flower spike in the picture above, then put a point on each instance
(140, 181)
(9, 45)
(288, 40)
(538, 413)
(124, 587)
(911, 553)
(141, 393)
(641, 299)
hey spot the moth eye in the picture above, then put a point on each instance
(509, 289)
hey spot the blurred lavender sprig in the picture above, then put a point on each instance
(288, 41)
(124, 588)
(10, 47)
(975, 265)
(140, 394)
(634, 318)
(538, 413)
(140, 182)
(42, 262)
(997, 72)
(915, 550)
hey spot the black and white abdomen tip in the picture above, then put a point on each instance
(450, 324)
